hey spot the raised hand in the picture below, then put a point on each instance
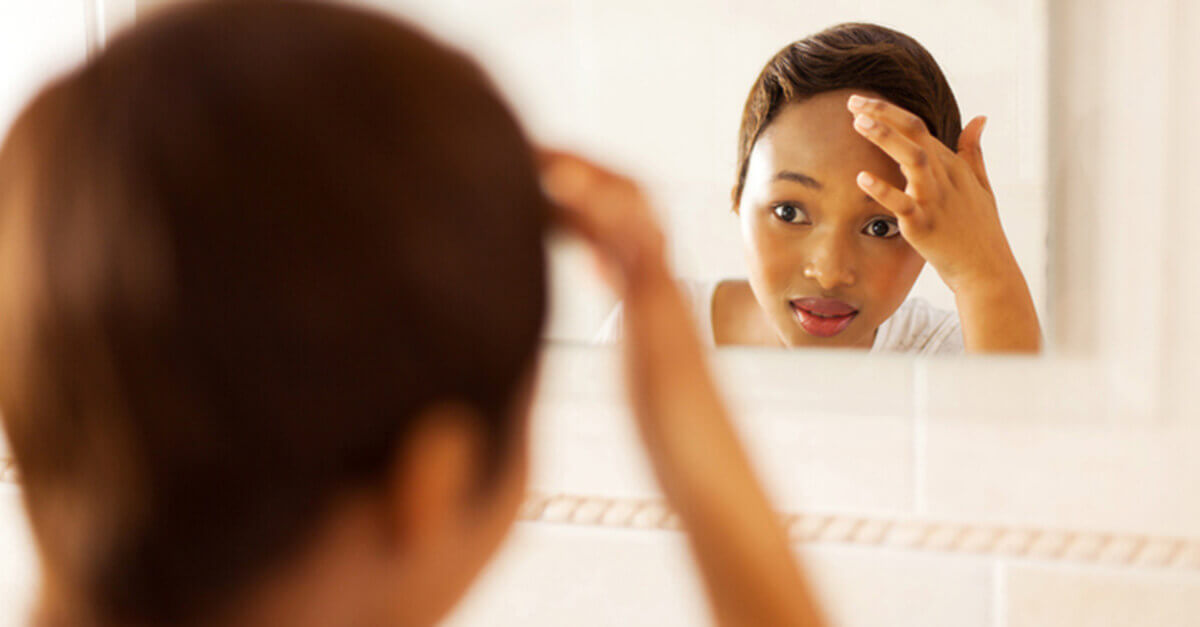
(611, 213)
(947, 210)
(948, 213)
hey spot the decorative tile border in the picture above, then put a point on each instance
(1057, 545)
(1074, 546)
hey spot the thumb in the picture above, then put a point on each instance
(971, 152)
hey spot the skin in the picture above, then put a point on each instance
(863, 161)
(803, 168)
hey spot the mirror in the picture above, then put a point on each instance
(656, 90)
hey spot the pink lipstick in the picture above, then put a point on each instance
(823, 317)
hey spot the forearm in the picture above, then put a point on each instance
(739, 544)
(997, 314)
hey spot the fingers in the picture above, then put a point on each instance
(585, 196)
(914, 160)
(903, 137)
(894, 200)
(971, 151)
(607, 209)
(896, 117)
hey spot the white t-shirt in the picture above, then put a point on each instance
(916, 327)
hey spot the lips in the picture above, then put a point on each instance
(823, 317)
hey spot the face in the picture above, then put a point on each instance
(826, 263)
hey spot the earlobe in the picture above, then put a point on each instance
(435, 474)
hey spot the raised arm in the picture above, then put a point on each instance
(749, 571)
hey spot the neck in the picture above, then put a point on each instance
(737, 318)
(339, 581)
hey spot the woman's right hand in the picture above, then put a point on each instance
(611, 213)
(748, 568)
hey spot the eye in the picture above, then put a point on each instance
(882, 227)
(790, 213)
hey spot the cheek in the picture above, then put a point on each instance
(893, 273)
(767, 253)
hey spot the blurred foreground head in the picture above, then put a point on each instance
(247, 255)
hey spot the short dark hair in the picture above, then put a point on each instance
(849, 56)
(239, 251)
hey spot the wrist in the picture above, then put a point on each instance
(649, 276)
(1000, 274)
(993, 287)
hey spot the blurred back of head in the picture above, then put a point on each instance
(239, 251)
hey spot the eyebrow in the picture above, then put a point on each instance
(803, 179)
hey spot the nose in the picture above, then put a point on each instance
(830, 263)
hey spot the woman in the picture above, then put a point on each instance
(271, 291)
(853, 172)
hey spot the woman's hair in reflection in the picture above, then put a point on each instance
(849, 56)
(239, 252)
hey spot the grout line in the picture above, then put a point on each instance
(920, 434)
(1000, 593)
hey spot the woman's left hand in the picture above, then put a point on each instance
(947, 211)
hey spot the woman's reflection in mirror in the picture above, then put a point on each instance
(853, 171)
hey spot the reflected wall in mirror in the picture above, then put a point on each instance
(657, 90)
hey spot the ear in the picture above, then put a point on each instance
(435, 475)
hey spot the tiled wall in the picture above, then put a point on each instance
(947, 492)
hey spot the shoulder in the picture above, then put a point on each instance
(918, 327)
(699, 295)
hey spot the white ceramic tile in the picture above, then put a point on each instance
(1183, 346)
(18, 560)
(1022, 463)
(833, 462)
(1053, 596)
(828, 431)
(812, 382)
(1007, 390)
(588, 449)
(873, 587)
(581, 576)
(567, 575)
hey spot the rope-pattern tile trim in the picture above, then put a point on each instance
(1086, 547)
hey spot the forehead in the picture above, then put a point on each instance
(816, 136)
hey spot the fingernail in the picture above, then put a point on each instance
(864, 122)
(865, 178)
(857, 103)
